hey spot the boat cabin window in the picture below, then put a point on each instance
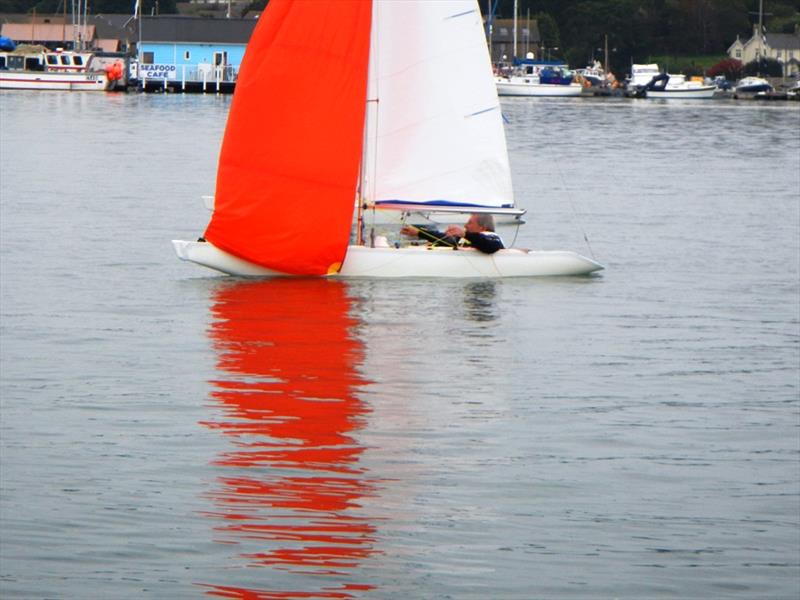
(2, 62)
(64, 59)
(16, 62)
(77, 60)
(52, 59)
(34, 63)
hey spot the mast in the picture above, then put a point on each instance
(528, 33)
(516, 8)
(489, 25)
(85, 23)
(372, 79)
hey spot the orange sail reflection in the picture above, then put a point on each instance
(290, 407)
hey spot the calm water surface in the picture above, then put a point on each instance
(170, 433)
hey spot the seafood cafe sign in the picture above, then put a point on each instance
(158, 71)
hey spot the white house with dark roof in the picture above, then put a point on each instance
(783, 47)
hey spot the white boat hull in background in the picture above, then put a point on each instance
(83, 82)
(411, 261)
(514, 87)
(687, 93)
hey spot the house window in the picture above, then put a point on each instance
(738, 54)
(147, 58)
(220, 59)
(187, 55)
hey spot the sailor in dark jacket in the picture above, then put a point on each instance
(478, 233)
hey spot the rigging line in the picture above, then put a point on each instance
(430, 237)
(371, 175)
(516, 233)
(574, 212)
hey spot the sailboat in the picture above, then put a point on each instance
(402, 114)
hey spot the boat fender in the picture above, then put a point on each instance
(114, 72)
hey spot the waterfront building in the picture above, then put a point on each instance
(106, 33)
(176, 48)
(528, 40)
(783, 47)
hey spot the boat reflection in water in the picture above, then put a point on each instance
(480, 301)
(290, 493)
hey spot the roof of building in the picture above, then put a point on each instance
(197, 29)
(115, 26)
(45, 32)
(783, 41)
(121, 27)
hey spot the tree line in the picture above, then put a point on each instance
(636, 30)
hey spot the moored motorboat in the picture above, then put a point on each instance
(525, 85)
(37, 68)
(534, 81)
(670, 86)
(641, 75)
(753, 85)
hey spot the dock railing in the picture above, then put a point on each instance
(179, 77)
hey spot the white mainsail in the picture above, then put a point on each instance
(434, 130)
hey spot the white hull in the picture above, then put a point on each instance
(18, 80)
(695, 93)
(412, 261)
(521, 88)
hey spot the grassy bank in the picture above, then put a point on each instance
(689, 65)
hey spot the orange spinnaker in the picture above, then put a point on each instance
(288, 167)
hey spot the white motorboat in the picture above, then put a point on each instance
(397, 130)
(670, 86)
(530, 85)
(534, 79)
(36, 68)
(753, 85)
(641, 75)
